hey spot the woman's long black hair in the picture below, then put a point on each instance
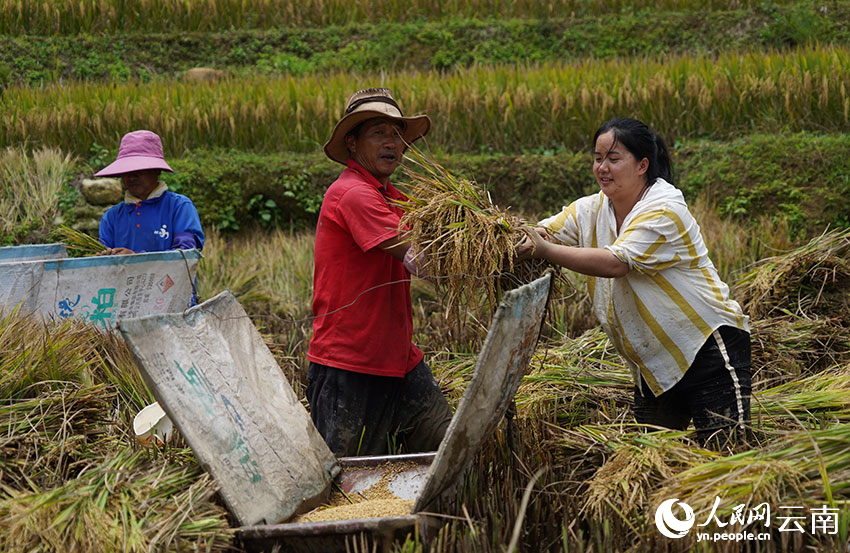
(638, 139)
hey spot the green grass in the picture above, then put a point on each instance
(793, 185)
(416, 44)
(796, 184)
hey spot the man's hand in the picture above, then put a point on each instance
(116, 251)
(413, 262)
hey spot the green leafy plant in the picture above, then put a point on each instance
(265, 209)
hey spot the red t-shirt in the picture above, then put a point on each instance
(363, 318)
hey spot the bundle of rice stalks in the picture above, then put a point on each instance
(77, 241)
(816, 401)
(32, 351)
(638, 465)
(581, 381)
(811, 280)
(453, 374)
(622, 474)
(117, 367)
(38, 354)
(615, 469)
(787, 345)
(127, 502)
(49, 437)
(467, 243)
(799, 468)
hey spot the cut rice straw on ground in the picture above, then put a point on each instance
(128, 502)
(817, 400)
(785, 345)
(580, 381)
(801, 280)
(807, 466)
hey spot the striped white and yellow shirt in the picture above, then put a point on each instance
(660, 314)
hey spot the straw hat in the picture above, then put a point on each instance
(139, 150)
(366, 104)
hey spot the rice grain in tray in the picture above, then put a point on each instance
(372, 508)
(348, 501)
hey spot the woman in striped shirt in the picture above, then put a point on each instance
(653, 287)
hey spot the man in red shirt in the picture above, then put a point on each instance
(369, 387)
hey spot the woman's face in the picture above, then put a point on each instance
(620, 176)
(141, 183)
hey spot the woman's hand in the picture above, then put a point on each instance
(535, 243)
(116, 251)
(598, 262)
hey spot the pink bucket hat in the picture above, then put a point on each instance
(139, 150)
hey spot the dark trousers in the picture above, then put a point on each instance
(714, 392)
(363, 414)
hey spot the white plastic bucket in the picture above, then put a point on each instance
(152, 422)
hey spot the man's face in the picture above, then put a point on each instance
(378, 147)
(141, 183)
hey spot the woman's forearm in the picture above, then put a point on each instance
(597, 262)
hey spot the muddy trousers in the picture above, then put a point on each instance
(714, 392)
(363, 414)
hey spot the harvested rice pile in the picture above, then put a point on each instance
(375, 501)
(466, 241)
(811, 281)
(72, 476)
(799, 308)
(372, 508)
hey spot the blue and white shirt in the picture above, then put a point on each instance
(164, 221)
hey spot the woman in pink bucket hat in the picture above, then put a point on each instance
(151, 218)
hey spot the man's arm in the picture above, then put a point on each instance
(395, 246)
(404, 252)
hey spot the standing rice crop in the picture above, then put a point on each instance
(29, 188)
(506, 108)
(70, 17)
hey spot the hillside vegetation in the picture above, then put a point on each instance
(414, 43)
(534, 83)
